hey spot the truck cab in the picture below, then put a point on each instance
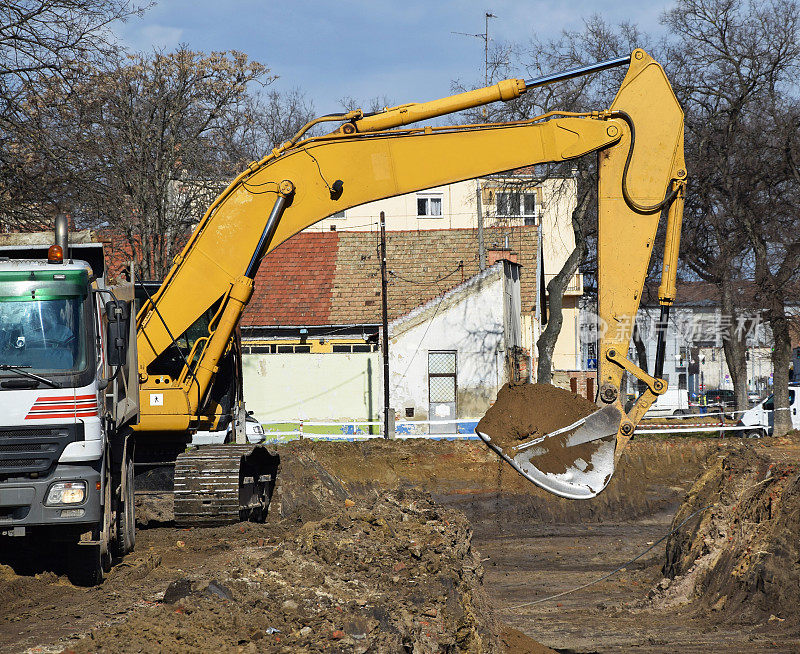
(760, 419)
(63, 404)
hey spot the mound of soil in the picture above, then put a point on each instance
(738, 558)
(391, 575)
(525, 411)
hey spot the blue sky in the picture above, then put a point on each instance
(403, 50)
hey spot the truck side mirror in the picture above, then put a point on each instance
(117, 316)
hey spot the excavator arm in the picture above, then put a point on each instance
(365, 159)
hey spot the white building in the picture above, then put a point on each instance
(694, 357)
(449, 357)
(500, 201)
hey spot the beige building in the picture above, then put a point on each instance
(496, 201)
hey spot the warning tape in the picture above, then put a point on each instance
(688, 426)
(678, 430)
(689, 416)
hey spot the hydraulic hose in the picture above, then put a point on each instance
(640, 208)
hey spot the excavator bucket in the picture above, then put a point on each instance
(558, 461)
(575, 461)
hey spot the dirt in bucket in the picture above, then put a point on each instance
(526, 411)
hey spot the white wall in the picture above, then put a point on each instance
(559, 198)
(458, 211)
(472, 324)
(313, 386)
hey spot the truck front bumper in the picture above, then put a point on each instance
(22, 501)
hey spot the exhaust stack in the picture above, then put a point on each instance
(62, 233)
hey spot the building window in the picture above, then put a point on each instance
(259, 349)
(339, 215)
(343, 348)
(442, 390)
(429, 206)
(516, 204)
(293, 349)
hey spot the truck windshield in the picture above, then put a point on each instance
(43, 335)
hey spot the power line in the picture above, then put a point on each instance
(428, 283)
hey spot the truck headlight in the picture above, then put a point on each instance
(66, 492)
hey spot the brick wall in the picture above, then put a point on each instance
(582, 382)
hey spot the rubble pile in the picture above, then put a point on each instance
(392, 574)
(738, 557)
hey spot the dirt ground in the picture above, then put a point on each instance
(356, 557)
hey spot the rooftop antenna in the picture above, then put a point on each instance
(485, 37)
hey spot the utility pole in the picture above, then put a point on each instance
(481, 251)
(388, 422)
(486, 51)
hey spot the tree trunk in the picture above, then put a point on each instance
(555, 317)
(735, 346)
(781, 358)
(555, 292)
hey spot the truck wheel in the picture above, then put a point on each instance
(85, 566)
(754, 433)
(126, 514)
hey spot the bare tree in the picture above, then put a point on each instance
(155, 138)
(713, 245)
(735, 63)
(39, 40)
(282, 115)
(373, 104)
(596, 42)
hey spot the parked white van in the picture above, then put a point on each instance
(761, 417)
(674, 402)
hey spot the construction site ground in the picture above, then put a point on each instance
(367, 548)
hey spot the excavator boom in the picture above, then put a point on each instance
(367, 158)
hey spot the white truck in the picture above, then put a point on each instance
(760, 419)
(68, 396)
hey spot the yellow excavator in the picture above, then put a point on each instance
(185, 328)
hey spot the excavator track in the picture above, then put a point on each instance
(223, 484)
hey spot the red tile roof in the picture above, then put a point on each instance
(293, 284)
(333, 278)
(689, 293)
